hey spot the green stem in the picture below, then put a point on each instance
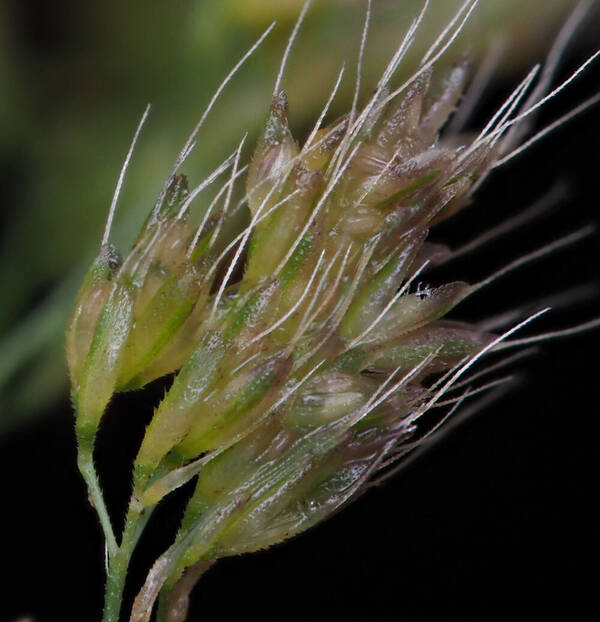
(117, 568)
(137, 518)
(85, 463)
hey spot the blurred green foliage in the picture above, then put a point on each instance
(75, 77)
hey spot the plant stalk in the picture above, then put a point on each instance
(85, 463)
(119, 564)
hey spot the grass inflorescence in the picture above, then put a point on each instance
(311, 357)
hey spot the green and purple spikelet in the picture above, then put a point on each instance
(306, 350)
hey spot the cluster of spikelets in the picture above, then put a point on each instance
(306, 350)
(304, 373)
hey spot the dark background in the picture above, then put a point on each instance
(498, 518)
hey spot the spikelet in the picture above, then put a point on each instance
(307, 352)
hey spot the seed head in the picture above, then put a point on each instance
(307, 350)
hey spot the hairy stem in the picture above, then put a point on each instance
(119, 564)
(85, 463)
